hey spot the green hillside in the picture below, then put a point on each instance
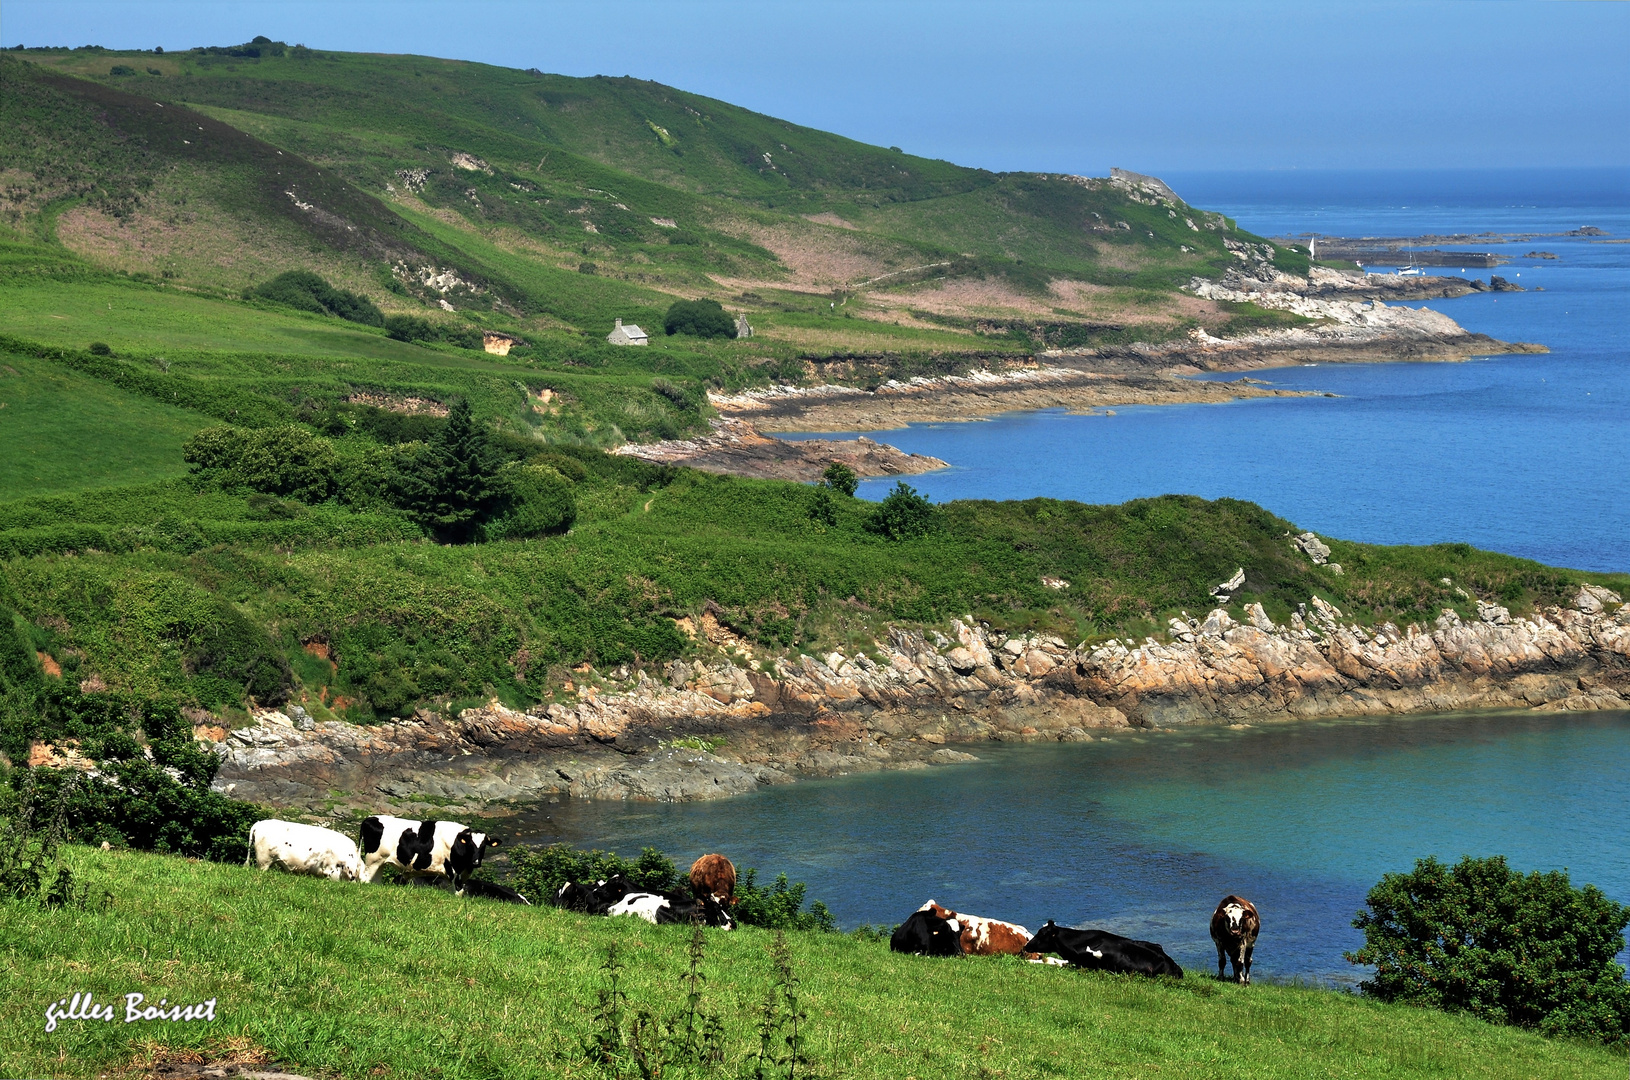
(342, 980)
(559, 204)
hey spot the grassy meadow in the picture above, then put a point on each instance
(343, 980)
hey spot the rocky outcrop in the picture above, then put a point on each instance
(735, 446)
(710, 731)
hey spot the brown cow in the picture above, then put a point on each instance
(983, 937)
(713, 875)
(1234, 927)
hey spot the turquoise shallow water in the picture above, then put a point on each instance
(1143, 833)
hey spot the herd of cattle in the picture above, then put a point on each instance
(446, 850)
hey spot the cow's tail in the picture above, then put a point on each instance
(249, 856)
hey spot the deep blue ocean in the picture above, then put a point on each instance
(1143, 833)
(1524, 454)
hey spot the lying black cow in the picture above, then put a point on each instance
(1099, 950)
(593, 897)
(494, 891)
(926, 934)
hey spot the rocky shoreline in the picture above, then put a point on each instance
(700, 731)
(736, 447)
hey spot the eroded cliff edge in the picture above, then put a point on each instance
(703, 732)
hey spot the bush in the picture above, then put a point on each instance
(100, 348)
(156, 797)
(539, 873)
(306, 291)
(1509, 948)
(540, 503)
(778, 905)
(413, 328)
(699, 318)
(904, 514)
(288, 461)
(840, 478)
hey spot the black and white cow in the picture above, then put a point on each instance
(593, 897)
(661, 909)
(422, 848)
(926, 934)
(1099, 950)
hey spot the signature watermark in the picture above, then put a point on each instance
(82, 1007)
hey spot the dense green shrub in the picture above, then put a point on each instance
(1509, 948)
(699, 318)
(540, 872)
(538, 501)
(19, 666)
(840, 478)
(287, 460)
(413, 328)
(450, 485)
(903, 514)
(778, 905)
(138, 801)
(306, 291)
(229, 657)
(100, 348)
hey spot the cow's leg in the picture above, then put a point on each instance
(1222, 962)
(1250, 947)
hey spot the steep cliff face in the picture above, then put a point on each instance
(711, 732)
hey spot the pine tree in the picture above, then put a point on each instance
(451, 485)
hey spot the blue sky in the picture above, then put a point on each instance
(1153, 85)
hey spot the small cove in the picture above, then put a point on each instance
(1142, 833)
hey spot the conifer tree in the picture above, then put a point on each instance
(451, 485)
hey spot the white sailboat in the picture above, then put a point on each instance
(1412, 271)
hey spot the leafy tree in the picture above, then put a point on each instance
(1481, 938)
(451, 484)
(288, 461)
(699, 318)
(840, 478)
(904, 514)
(540, 503)
(823, 508)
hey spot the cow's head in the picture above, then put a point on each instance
(347, 868)
(467, 851)
(1046, 939)
(1235, 915)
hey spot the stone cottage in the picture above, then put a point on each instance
(627, 335)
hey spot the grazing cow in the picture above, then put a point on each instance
(981, 936)
(715, 876)
(593, 898)
(661, 909)
(1234, 927)
(423, 848)
(1099, 950)
(494, 891)
(926, 934)
(304, 849)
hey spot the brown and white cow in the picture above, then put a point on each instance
(715, 876)
(981, 936)
(1234, 927)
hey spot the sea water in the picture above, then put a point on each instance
(1525, 454)
(1142, 833)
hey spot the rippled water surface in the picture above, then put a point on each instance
(1143, 833)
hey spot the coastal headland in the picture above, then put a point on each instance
(708, 731)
